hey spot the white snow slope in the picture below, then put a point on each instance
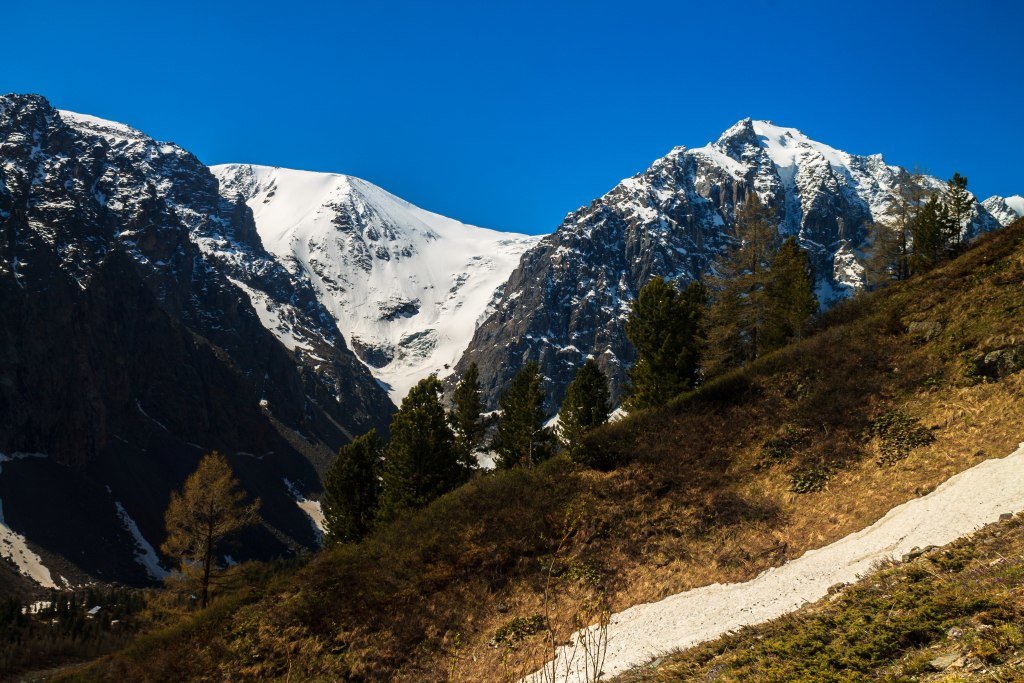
(407, 287)
(13, 545)
(958, 507)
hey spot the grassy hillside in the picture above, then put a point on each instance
(954, 614)
(886, 400)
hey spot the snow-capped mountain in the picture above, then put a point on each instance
(405, 286)
(129, 347)
(1006, 210)
(570, 295)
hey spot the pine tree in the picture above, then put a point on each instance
(521, 438)
(209, 509)
(421, 461)
(664, 328)
(929, 233)
(466, 416)
(790, 302)
(737, 283)
(352, 489)
(959, 203)
(585, 406)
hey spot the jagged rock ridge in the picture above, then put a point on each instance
(571, 293)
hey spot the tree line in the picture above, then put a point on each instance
(758, 295)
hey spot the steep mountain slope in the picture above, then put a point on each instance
(405, 286)
(570, 295)
(126, 351)
(1005, 209)
(750, 471)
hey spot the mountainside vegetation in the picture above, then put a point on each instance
(885, 397)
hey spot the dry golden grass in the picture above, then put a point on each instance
(696, 502)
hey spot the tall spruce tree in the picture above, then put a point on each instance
(585, 406)
(352, 489)
(466, 416)
(521, 439)
(664, 326)
(959, 203)
(790, 302)
(885, 256)
(737, 283)
(930, 232)
(421, 461)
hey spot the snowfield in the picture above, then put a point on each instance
(13, 545)
(959, 506)
(405, 286)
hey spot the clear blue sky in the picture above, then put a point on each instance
(509, 115)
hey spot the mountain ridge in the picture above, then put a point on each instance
(570, 295)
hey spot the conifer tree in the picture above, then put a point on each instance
(929, 233)
(209, 509)
(585, 406)
(466, 416)
(352, 489)
(664, 328)
(737, 284)
(959, 203)
(521, 438)
(790, 302)
(421, 461)
(885, 256)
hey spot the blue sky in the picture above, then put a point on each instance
(509, 115)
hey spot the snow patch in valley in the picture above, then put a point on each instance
(144, 552)
(13, 545)
(958, 507)
(405, 286)
(312, 508)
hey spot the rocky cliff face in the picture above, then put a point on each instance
(131, 342)
(570, 295)
(1006, 210)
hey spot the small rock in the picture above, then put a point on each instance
(955, 633)
(943, 662)
(1006, 517)
(502, 608)
(926, 330)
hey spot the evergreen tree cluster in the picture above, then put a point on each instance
(926, 228)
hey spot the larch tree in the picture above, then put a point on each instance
(352, 489)
(664, 326)
(585, 406)
(421, 462)
(466, 415)
(521, 439)
(737, 283)
(209, 509)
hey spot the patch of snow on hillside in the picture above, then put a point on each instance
(13, 545)
(144, 552)
(312, 508)
(961, 505)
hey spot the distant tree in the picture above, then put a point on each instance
(521, 438)
(421, 461)
(790, 302)
(930, 231)
(585, 406)
(737, 283)
(209, 509)
(885, 256)
(352, 489)
(466, 416)
(959, 203)
(664, 326)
